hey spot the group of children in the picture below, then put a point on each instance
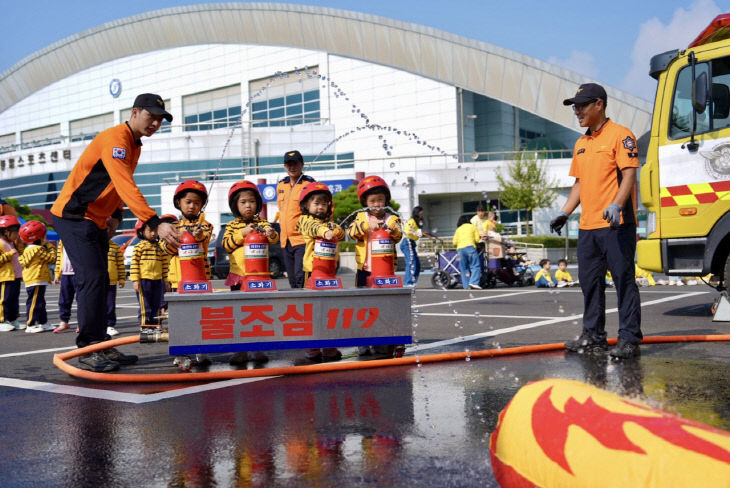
(150, 269)
(25, 256)
(543, 278)
(155, 266)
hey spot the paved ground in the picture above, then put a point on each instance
(396, 426)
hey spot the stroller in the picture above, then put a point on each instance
(509, 270)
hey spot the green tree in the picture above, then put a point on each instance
(24, 211)
(525, 184)
(347, 202)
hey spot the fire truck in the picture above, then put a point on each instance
(685, 182)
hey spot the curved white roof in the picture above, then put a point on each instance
(532, 85)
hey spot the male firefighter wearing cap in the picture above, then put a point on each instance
(604, 165)
(99, 182)
(287, 195)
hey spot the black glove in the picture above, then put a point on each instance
(558, 222)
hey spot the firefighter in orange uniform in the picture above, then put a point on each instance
(287, 195)
(604, 165)
(99, 182)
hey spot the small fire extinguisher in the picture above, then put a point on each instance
(324, 265)
(382, 252)
(256, 262)
(192, 266)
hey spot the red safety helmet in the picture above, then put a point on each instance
(190, 185)
(138, 226)
(312, 188)
(370, 183)
(240, 186)
(32, 231)
(8, 221)
(169, 218)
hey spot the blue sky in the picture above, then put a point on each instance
(609, 41)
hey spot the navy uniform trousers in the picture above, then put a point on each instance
(10, 299)
(66, 296)
(614, 249)
(150, 296)
(87, 247)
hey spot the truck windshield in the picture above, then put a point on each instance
(717, 116)
(681, 124)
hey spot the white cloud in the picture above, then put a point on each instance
(655, 37)
(579, 61)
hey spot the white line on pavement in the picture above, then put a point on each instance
(118, 396)
(481, 335)
(476, 299)
(480, 316)
(40, 351)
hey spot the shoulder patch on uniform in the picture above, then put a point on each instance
(629, 143)
(581, 150)
(119, 153)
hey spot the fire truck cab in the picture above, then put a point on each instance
(685, 182)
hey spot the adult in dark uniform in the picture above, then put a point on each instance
(604, 165)
(89, 203)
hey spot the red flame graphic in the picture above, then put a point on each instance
(551, 429)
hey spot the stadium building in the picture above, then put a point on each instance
(435, 114)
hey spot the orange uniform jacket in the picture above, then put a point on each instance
(102, 178)
(598, 159)
(289, 211)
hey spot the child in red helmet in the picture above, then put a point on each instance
(190, 198)
(11, 273)
(147, 273)
(245, 203)
(315, 201)
(36, 259)
(374, 195)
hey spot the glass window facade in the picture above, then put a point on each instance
(7, 142)
(288, 100)
(87, 128)
(42, 136)
(214, 109)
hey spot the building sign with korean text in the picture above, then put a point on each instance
(41, 159)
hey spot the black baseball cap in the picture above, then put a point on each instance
(153, 104)
(587, 92)
(293, 156)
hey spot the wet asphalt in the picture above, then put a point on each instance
(420, 425)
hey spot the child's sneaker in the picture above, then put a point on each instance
(19, 325)
(62, 326)
(239, 359)
(6, 327)
(183, 362)
(112, 331)
(34, 329)
(202, 360)
(47, 326)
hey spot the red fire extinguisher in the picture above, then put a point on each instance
(324, 265)
(256, 262)
(192, 266)
(382, 252)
